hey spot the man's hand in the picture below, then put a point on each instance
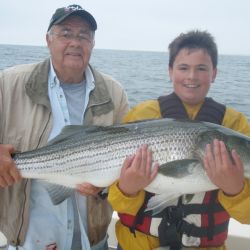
(136, 172)
(9, 174)
(87, 189)
(225, 171)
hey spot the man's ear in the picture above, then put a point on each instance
(93, 44)
(47, 40)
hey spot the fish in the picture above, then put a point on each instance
(95, 154)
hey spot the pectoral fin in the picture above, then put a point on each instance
(179, 168)
(58, 193)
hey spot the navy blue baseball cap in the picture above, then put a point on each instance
(74, 9)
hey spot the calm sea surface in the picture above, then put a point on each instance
(144, 74)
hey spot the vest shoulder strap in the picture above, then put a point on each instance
(211, 111)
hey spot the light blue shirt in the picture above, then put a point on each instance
(49, 223)
(58, 101)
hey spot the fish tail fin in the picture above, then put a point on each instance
(159, 202)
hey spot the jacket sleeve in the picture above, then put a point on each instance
(1, 106)
(123, 106)
(122, 203)
(143, 111)
(236, 121)
(237, 206)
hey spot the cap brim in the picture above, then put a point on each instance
(82, 13)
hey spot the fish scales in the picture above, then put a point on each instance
(96, 151)
(96, 154)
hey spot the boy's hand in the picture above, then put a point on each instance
(136, 172)
(225, 171)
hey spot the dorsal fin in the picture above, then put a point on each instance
(71, 130)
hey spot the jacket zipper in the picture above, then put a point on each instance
(25, 196)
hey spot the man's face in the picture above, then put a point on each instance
(192, 74)
(70, 44)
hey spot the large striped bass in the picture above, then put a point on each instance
(95, 155)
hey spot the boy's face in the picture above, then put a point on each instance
(192, 74)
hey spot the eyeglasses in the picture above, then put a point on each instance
(67, 36)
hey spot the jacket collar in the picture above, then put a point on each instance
(37, 87)
(100, 94)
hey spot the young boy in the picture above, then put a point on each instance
(201, 222)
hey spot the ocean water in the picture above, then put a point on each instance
(145, 76)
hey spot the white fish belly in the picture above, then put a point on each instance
(180, 186)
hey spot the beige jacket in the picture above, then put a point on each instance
(26, 121)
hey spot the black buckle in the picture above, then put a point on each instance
(169, 228)
(103, 194)
(169, 235)
(174, 213)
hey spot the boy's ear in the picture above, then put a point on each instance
(170, 73)
(214, 74)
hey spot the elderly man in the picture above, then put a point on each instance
(36, 102)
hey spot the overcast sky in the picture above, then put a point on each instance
(135, 24)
